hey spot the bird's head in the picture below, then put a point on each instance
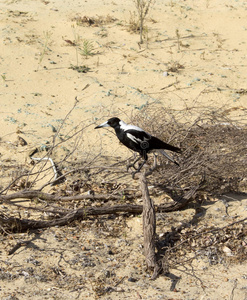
(113, 122)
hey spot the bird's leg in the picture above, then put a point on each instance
(133, 164)
(151, 170)
(154, 167)
(155, 162)
(139, 168)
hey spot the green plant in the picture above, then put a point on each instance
(87, 48)
(84, 47)
(3, 77)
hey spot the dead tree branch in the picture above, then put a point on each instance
(32, 194)
(149, 226)
(14, 224)
(21, 225)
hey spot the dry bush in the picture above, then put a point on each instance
(214, 158)
(214, 150)
(134, 23)
(143, 8)
(210, 244)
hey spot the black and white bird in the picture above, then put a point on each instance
(138, 140)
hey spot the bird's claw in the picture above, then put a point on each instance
(128, 166)
(134, 173)
(137, 170)
(131, 166)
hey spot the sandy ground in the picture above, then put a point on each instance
(194, 55)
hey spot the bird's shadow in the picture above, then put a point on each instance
(174, 280)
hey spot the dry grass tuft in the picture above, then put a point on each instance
(93, 21)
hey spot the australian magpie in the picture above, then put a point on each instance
(138, 140)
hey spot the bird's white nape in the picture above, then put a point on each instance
(125, 126)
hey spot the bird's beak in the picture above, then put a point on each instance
(105, 124)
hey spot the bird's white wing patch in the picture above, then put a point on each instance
(133, 138)
(137, 140)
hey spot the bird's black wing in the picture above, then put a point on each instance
(136, 140)
(138, 137)
(147, 142)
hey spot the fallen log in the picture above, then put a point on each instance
(32, 194)
(14, 224)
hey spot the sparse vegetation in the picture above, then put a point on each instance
(80, 69)
(142, 7)
(72, 223)
(174, 66)
(220, 41)
(134, 24)
(87, 48)
(94, 21)
(47, 37)
(3, 77)
(178, 39)
(76, 43)
(82, 46)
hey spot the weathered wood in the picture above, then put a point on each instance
(178, 203)
(149, 228)
(21, 225)
(149, 222)
(31, 194)
(14, 224)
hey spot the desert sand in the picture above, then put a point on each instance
(193, 55)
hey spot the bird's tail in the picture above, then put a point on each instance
(169, 157)
(162, 145)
